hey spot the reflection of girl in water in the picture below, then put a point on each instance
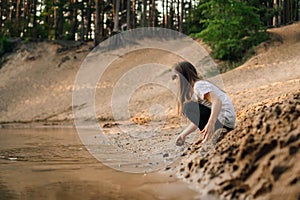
(204, 104)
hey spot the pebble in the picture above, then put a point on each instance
(166, 155)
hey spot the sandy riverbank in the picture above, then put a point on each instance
(252, 161)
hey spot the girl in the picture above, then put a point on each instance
(204, 104)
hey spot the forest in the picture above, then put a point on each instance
(230, 27)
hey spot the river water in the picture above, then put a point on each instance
(52, 163)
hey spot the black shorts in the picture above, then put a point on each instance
(199, 114)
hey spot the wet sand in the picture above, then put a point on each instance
(52, 163)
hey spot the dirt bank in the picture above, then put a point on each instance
(259, 159)
(37, 80)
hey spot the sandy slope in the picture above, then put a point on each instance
(260, 158)
(37, 80)
(274, 71)
(36, 84)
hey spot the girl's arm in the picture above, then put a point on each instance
(215, 111)
(188, 130)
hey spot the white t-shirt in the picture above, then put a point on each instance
(227, 114)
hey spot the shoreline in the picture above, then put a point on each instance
(58, 162)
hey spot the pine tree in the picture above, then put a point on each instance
(231, 27)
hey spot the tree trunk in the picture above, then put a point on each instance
(286, 12)
(17, 16)
(275, 19)
(128, 15)
(74, 21)
(116, 17)
(55, 18)
(171, 15)
(153, 10)
(163, 13)
(190, 10)
(60, 19)
(82, 22)
(133, 14)
(178, 14)
(101, 22)
(181, 16)
(28, 13)
(290, 11)
(149, 20)
(121, 8)
(167, 14)
(46, 18)
(1, 14)
(150, 14)
(144, 12)
(51, 20)
(88, 21)
(270, 18)
(279, 12)
(10, 12)
(34, 34)
(296, 10)
(97, 27)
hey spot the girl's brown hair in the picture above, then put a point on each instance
(187, 75)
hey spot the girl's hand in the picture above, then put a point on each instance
(180, 140)
(188, 130)
(216, 106)
(208, 131)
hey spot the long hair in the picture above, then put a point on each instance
(187, 75)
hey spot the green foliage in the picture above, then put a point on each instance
(231, 28)
(193, 24)
(265, 10)
(6, 46)
(46, 30)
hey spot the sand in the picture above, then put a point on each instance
(259, 159)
